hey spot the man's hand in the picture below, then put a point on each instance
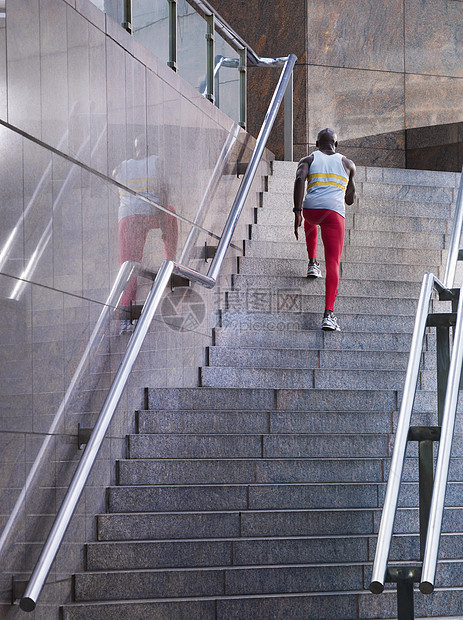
(297, 223)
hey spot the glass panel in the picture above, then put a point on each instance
(227, 78)
(191, 45)
(150, 21)
(114, 8)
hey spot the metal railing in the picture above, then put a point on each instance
(428, 570)
(431, 519)
(168, 267)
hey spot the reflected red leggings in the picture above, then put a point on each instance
(332, 228)
(133, 231)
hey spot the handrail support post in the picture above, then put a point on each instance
(243, 89)
(405, 600)
(404, 577)
(172, 62)
(425, 483)
(288, 121)
(212, 84)
(443, 365)
(128, 19)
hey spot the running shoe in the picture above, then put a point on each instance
(314, 271)
(330, 323)
(125, 326)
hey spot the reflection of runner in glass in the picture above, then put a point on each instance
(137, 217)
(330, 183)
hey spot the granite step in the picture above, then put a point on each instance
(357, 604)
(354, 254)
(198, 498)
(232, 524)
(278, 377)
(399, 191)
(428, 191)
(305, 358)
(351, 271)
(180, 609)
(125, 555)
(186, 421)
(366, 238)
(169, 498)
(389, 288)
(317, 339)
(248, 471)
(217, 581)
(404, 208)
(284, 399)
(296, 322)
(207, 446)
(253, 422)
(282, 201)
(222, 471)
(262, 523)
(443, 600)
(201, 398)
(310, 377)
(302, 306)
(281, 422)
(239, 552)
(284, 170)
(279, 213)
(387, 239)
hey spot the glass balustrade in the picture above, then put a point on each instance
(177, 33)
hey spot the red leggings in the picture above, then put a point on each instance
(332, 227)
(133, 231)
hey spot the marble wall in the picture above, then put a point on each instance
(386, 75)
(75, 92)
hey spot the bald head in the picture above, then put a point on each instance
(327, 139)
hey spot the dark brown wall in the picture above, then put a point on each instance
(387, 76)
(272, 29)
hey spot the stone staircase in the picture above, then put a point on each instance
(259, 494)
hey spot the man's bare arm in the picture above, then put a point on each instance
(302, 173)
(350, 190)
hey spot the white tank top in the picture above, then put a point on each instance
(326, 183)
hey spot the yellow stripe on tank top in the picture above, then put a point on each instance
(325, 184)
(327, 175)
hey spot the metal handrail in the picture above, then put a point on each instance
(51, 547)
(430, 283)
(233, 38)
(428, 571)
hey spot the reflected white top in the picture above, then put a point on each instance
(141, 176)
